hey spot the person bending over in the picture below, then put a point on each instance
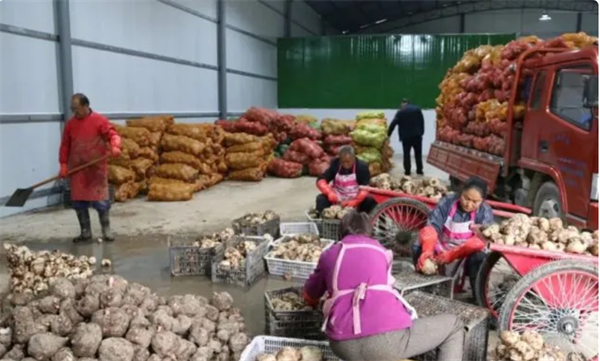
(340, 183)
(366, 319)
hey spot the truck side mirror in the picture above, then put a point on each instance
(590, 91)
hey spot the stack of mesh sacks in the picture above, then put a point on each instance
(140, 148)
(247, 155)
(192, 159)
(472, 108)
(336, 134)
(371, 142)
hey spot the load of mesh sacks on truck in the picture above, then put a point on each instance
(371, 143)
(472, 108)
(141, 139)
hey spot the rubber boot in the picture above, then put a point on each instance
(105, 224)
(83, 215)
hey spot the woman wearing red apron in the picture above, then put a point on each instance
(340, 183)
(366, 319)
(88, 136)
(449, 234)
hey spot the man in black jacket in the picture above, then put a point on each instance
(411, 127)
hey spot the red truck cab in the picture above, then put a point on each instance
(550, 161)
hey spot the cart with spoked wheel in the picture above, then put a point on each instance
(554, 293)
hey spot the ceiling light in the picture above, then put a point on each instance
(545, 17)
(381, 21)
(345, 32)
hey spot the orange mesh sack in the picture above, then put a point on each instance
(244, 160)
(180, 157)
(129, 148)
(140, 167)
(139, 135)
(170, 192)
(181, 143)
(194, 131)
(177, 171)
(149, 153)
(153, 124)
(119, 175)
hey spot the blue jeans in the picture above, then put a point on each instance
(100, 206)
(473, 264)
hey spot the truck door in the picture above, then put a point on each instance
(568, 137)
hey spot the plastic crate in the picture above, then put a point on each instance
(305, 324)
(331, 229)
(271, 344)
(475, 319)
(317, 221)
(290, 229)
(270, 227)
(293, 269)
(408, 281)
(185, 259)
(68, 203)
(252, 269)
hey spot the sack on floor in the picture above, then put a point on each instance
(370, 115)
(148, 153)
(232, 139)
(176, 171)
(369, 155)
(318, 166)
(139, 135)
(337, 140)
(239, 161)
(119, 175)
(140, 166)
(129, 148)
(335, 127)
(120, 161)
(255, 174)
(305, 131)
(284, 169)
(153, 124)
(296, 157)
(370, 139)
(180, 157)
(181, 143)
(245, 148)
(171, 192)
(194, 131)
(308, 147)
(375, 169)
(126, 191)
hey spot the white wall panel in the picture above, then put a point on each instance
(28, 74)
(250, 55)
(28, 154)
(450, 25)
(277, 4)
(254, 17)
(122, 83)
(525, 22)
(589, 24)
(31, 14)
(320, 114)
(206, 7)
(244, 92)
(148, 26)
(306, 16)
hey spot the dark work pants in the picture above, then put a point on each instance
(415, 143)
(366, 206)
(474, 262)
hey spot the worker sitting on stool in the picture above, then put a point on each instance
(340, 183)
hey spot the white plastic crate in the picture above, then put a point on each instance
(317, 221)
(294, 269)
(272, 344)
(290, 229)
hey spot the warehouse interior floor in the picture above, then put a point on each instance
(144, 228)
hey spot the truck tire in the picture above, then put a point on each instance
(547, 201)
(455, 184)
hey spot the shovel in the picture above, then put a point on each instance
(20, 196)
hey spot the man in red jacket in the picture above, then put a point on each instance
(86, 137)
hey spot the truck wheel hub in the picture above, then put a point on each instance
(549, 208)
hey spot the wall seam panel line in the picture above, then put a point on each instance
(249, 34)
(17, 30)
(266, 4)
(251, 75)
(182, 115)
(188, 10)
(222, 58)
(37, 194)
(30, 118)
(141, 54)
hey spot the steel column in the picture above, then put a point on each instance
(579, 21)
(287, 19)
(65, 57)
(462, 23)
(222, 58)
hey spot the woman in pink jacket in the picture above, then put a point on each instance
(365, 318)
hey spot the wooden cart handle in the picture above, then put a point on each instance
(74, 170)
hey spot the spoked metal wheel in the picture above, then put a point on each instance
(397, 222)
(560, 301)
(495, 279)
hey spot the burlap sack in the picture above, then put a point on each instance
(126, 191)
(120, 161)
(176, 171)
(232, 139)
(255, 174)
(129, 148)
(140, 166)
(181, 143)
(139, 135)
(119, 175)
(245, 148)
(171, 192)
(180, 157)
(239, 161)
(153, 124)
(148, 153)
(198, 132)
